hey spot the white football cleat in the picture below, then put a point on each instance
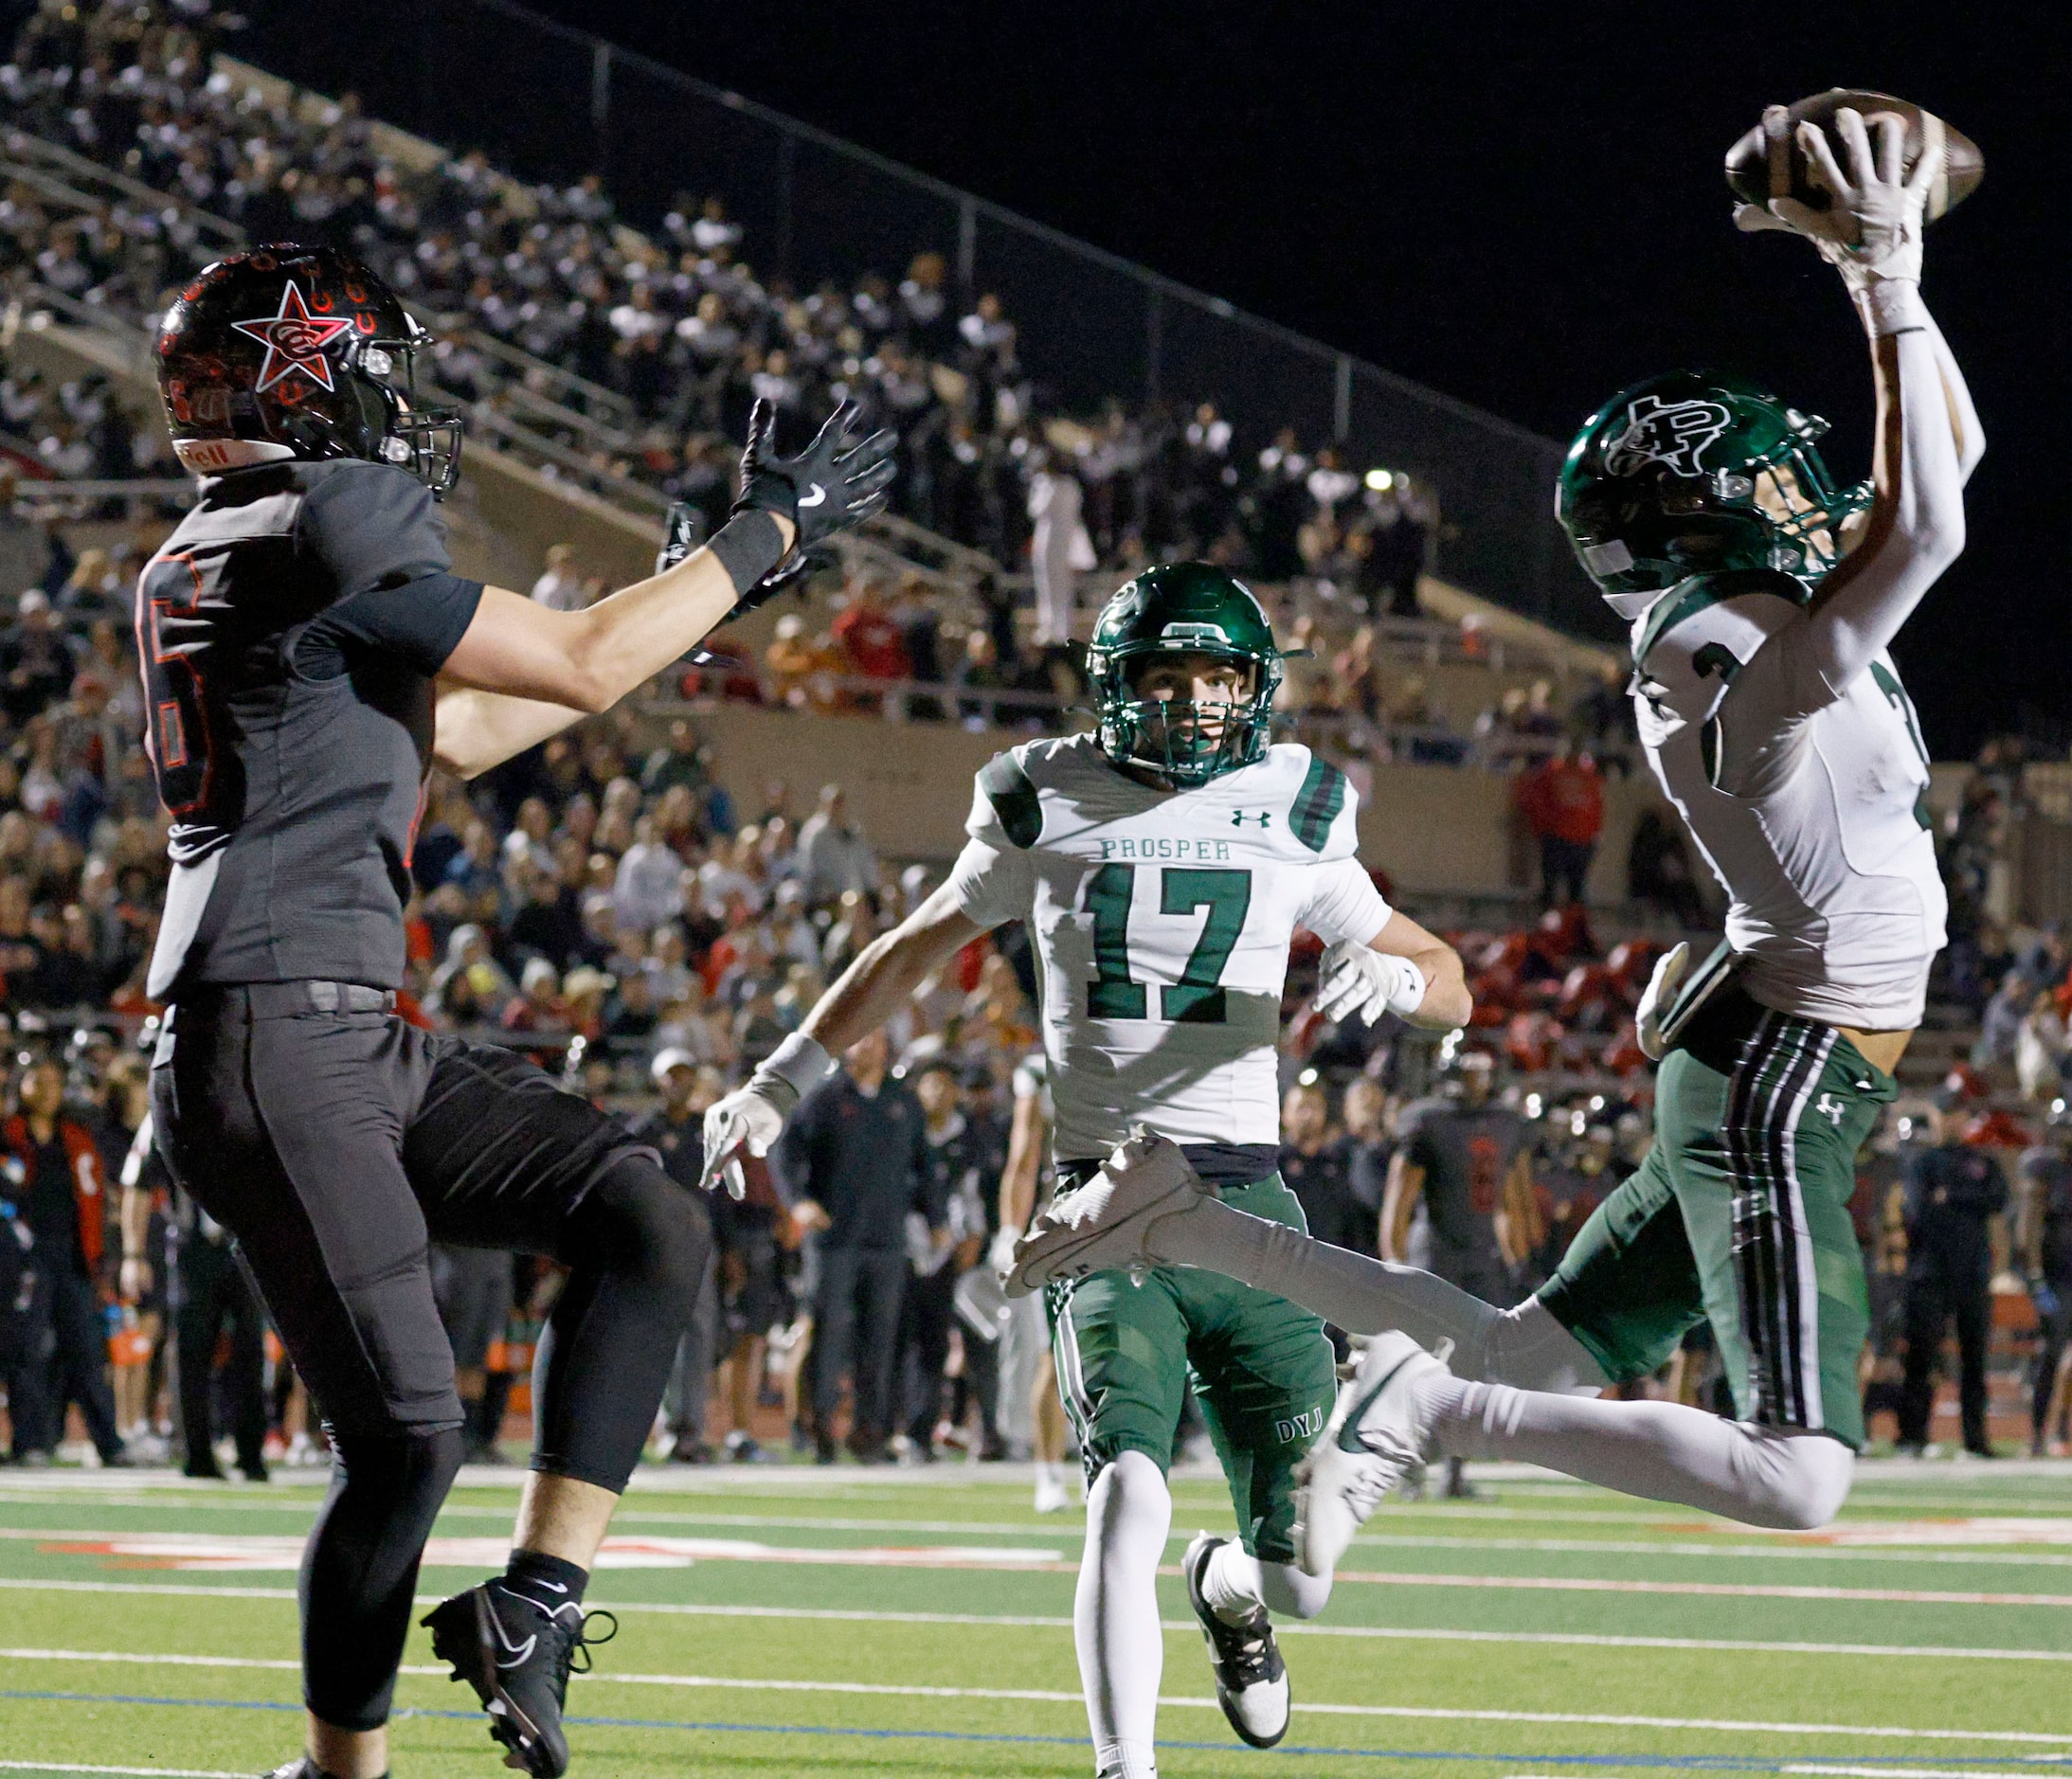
(1370, 1444)
(1102, 1225)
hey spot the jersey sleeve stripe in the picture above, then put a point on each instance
(1322, 795)
(1014, 799)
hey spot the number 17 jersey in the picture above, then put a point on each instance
(1161, 921)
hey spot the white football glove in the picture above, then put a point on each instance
(1873, 232)
(753, 1116)
(1656, 1000)
(1355, 981)
(1000, 1256)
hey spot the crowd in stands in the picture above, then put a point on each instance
(677, 323)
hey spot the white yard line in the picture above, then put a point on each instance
(1043, 1696)
(159, 1772)
(1579, 1640)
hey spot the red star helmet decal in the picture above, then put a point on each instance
(294, 340)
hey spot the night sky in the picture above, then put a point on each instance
(1520, 206)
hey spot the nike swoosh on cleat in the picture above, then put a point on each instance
(518, 1652)
(1348, 1433)
(815, 498)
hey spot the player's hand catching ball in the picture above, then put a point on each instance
(1357, 982)
(1873, 230)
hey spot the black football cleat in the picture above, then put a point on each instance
(1250, 1677)
(518, 1655)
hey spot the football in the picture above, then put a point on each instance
(1759, 167)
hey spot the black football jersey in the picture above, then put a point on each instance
(290, 631)
(1466, 1153)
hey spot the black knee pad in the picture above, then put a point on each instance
(635, 1221)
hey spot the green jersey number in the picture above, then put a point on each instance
(1196, 999)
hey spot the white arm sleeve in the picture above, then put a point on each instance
(1343, 903)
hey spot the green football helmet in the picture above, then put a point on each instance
(1694, 472)
(1182, 608)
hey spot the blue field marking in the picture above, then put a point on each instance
(1687, 1763)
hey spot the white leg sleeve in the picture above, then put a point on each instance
(1115, 1614)
(1526, 1346)
(1760, 1476)
(1235, 1585)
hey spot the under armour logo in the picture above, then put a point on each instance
(1830, 1109)
(1238, 817)
(1673, 434)
(815, 498)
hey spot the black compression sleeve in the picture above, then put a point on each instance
(421, 621)
(749, 546)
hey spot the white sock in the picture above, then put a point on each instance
(1235, 1585)
(1662, 1450)
(1525, 1346)
(1115, 1614)
(1048, 1472)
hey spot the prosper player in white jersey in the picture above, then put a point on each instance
(1762, 599)
(1162, 865)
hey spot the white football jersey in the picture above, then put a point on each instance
(1805, 800)
(1162, 923)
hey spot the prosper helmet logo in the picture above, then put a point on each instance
(1674, 434)
(294, 340)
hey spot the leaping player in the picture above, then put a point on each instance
(1162, 864)
(1763, 600)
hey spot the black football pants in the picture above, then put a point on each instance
(336, 1145)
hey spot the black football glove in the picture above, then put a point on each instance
(830, 486)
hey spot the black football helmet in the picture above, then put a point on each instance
(291, 351)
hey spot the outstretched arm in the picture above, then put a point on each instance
(1928, 434)
(522, 672)
(881, 981)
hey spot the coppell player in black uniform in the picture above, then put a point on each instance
(308, 654)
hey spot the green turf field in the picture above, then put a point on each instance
(793, 1621)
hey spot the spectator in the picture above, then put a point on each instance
(873, 645)
(1059, 551)
(937, 1255)
(1953, 1194)
(855, 1160)
(647, 889)
(1316, 1166)
(2040, 1048)
(62, 1195)
(215, 1309)
(1658, 870)
(36, 664)
(834, 857)
(1562, 801)
(2044, 1249)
